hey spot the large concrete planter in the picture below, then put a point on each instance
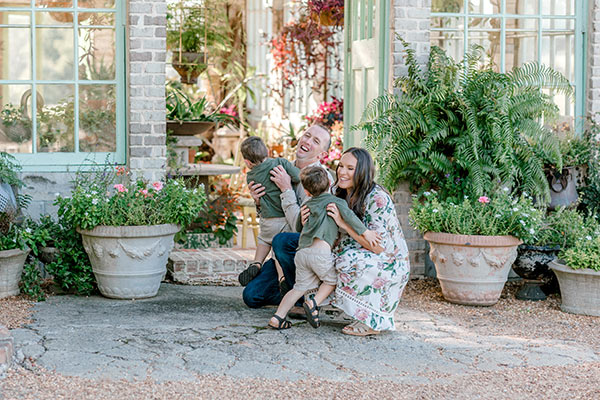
(579, 289)
(11, 268)
(129, 262)
(472, 270)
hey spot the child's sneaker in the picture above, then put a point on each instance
(249, 273)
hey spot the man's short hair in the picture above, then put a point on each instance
(254, 150)
(314, 180)
(326, 129)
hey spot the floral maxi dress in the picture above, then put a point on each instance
(370, 285)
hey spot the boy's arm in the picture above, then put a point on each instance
(350, 218)
(292, 171)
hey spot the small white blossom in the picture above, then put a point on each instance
(532, 231)
(427, 193)
(94, 201)
(28, 230)
(515, 209)
(506, 189)
(497, 216)
(522, 222)
(435, 210)
(588, 237)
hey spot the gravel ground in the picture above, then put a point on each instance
(15, 311)
(508, 317)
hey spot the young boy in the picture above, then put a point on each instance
(272, 217)
(314, 261)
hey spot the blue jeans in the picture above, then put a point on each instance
(264, 289)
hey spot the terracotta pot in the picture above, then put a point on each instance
(579, 289)
(472, 269)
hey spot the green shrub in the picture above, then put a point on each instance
(585, 254)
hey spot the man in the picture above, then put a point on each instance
(263, 290)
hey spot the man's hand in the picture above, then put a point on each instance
(281, 178)
(256, 191)
(304, 214)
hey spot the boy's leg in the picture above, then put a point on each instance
(263, 290)
(324, 291)
(287, 302)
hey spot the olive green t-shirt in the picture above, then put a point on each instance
(270, 203)
(320, 225)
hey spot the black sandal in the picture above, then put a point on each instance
(283, 323)
(249, 273)
(284, 287)
(313, 320)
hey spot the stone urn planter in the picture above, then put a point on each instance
(579, 289)
(11, 268)
(532, 265)
(129, 262)
(472, 269)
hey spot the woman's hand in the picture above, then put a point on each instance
(373, 237)
(304, 214)
(334, 213)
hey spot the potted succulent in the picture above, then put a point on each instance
(128, 228)
(327, 12)
(474, 241)
(578, 273)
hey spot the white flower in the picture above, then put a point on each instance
(522, 222)
(532, 231)
(94, 201)
(427, 193)
(588, 237)
(516, 209)
(525, 215)
(88, 195)
(435, 210)
(28, 230)
(175, 183)
(506, 189)
(56, 194)
(497, 216)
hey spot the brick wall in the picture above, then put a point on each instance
(593, 57)
(411, 22)
(146, 40)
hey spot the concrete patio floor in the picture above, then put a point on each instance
(188, 331)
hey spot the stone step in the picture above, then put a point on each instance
(213, 266)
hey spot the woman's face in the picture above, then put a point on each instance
(345, 171)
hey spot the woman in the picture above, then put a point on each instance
(370, 279)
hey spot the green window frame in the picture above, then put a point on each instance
(542, 20)
(41, 161)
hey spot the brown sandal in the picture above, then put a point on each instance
(358, 328)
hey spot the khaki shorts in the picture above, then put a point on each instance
(313, 267)
(269, 227)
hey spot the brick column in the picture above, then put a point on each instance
(593, 59)
(411, 22)
(147, 51)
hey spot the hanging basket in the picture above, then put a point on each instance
(188, 66)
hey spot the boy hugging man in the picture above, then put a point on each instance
(272, 217)
(314, 261)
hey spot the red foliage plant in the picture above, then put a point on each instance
(333, 8)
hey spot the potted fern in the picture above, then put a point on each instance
(460, 128)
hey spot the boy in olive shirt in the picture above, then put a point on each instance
(314, 261)
(272, 217)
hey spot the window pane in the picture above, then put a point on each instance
(53, 18)
(522, 7)
(15, 3)
(107, 19)
(448, 6)
(485, 32)
(15, 54)
(54, 3)
(558, 7)
(558, 46)
(97, 54)
(15, 125)
(521, 42)
(96, 3)
(484, 7)
(55, 53)
(97, 118)
(450, 37)
(55, 119)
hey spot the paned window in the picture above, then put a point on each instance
(61, 82)
(514, 32)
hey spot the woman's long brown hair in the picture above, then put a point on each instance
(363, 181)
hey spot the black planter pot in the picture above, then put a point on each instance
(532, 265)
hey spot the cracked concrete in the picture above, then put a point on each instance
(189, 330)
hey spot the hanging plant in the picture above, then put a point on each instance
(327, 12)
(302, 49)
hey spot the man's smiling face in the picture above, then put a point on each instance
(313, 144)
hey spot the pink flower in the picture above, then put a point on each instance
(379, 201)
(144, 192)
(361, 314)
(349, 290)
(484, 199)
(378, 283)
(120, 188)
(157, 186)
(345, 278)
